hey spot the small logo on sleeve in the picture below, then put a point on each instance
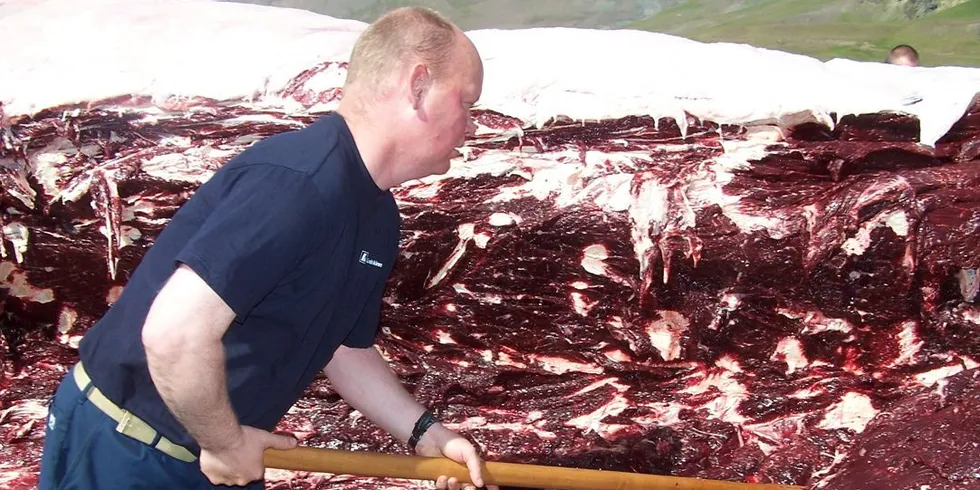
(366, 259)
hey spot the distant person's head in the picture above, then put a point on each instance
(412, 78)
(903, 54)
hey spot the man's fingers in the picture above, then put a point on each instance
(441, 482)
(473, 462)
(277, 441)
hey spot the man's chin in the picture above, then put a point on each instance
(442, 166)
(446, 164)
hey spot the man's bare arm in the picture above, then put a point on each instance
(366, 382)
(362, 377)
(182, 336)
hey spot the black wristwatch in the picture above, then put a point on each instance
(421, 425)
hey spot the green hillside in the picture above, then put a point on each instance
(944, 33)
(499, 14)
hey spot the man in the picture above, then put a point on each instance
(903, 54)
(272, 271)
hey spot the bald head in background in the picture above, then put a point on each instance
(903, 54)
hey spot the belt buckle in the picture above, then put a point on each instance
(131, 426)
(123, 424)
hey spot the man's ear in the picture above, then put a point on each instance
(420, 81)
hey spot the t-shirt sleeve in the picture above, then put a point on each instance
(265, 219)
(366, 328)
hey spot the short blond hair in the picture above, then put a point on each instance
(407, 34)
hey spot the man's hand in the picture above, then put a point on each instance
(241, 463)
(439, 441)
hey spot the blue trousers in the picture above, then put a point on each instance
(83, 451)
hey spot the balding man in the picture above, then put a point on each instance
(903, 54)
(271, 273)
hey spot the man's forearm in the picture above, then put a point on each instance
(362, 377)
(191, 382)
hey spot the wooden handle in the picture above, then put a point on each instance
(510, 474)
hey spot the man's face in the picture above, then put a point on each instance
(444, 116)
(449, 107)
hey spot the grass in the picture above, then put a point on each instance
(857, 29)
(967, 10)
(828, 29)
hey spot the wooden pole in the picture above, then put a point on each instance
(359, 463)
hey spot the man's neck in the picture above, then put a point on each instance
(375, 149)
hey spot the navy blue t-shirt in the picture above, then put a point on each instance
(297, 239)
